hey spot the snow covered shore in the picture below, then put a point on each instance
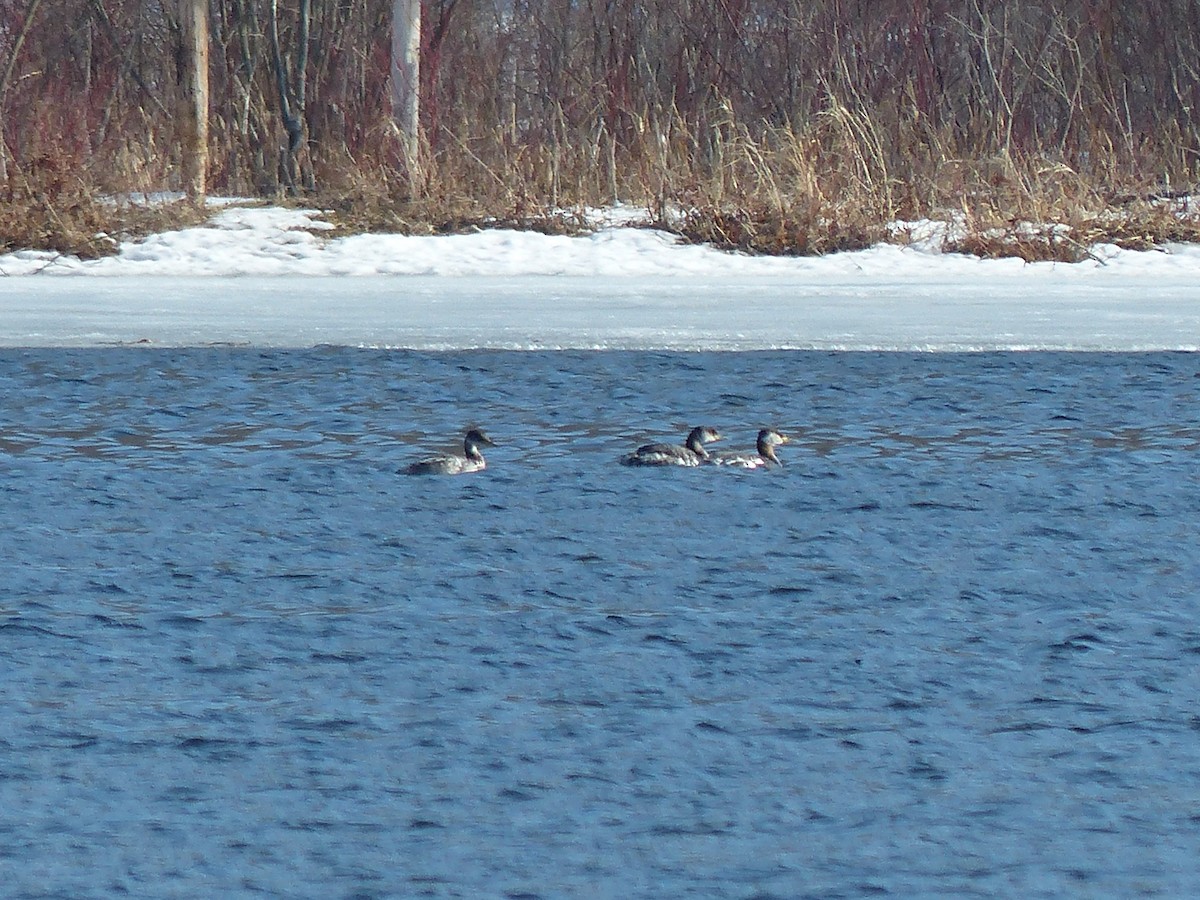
(273, 277)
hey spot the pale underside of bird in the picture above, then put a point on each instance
(691, 453)
(764, 455)
(471, 461)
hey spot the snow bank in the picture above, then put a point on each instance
(276, 277)
(271, 241)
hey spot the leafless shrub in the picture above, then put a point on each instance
(48, 205)
(798, 126)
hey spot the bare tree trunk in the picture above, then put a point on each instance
(406, 78)
(293, 97)
(6, 79)
(193, 97)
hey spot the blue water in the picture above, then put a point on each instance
(951, 648)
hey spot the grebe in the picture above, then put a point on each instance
(471, 461)
(692, 453)
(768, 440)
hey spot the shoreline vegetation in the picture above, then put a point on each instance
(1036, 129)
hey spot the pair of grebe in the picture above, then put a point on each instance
(691, 453)
(694, 453)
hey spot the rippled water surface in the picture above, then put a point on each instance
(950, 649)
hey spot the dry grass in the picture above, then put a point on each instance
(383, 206)
(1069, 231)
(52, 206)
(834, 187)
(778, 232)
(773, 126)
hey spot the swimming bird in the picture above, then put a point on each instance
(692, 453)
(768, 440)
(471, 461)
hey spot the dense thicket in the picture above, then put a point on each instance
(784, 106)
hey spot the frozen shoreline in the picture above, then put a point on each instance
(637, 314)
(267, 277)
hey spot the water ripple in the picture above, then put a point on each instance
(243, 656)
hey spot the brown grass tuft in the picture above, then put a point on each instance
(52, 206)
(778, 232)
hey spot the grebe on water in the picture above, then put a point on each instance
(471, 461)
(768, 440)
(692, 453)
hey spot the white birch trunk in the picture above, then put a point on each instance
(193, 97)
(406, 75)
